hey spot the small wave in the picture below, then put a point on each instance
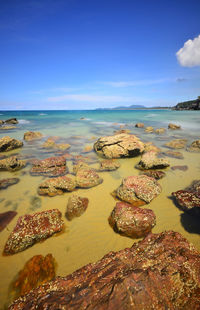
(23, 121)
(151, 115)
(42, 114)
(1, 114)
(85, 119)
(103, 123)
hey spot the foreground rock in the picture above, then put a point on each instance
(150, 160)
(156, 174)
(32, 135)
(76, 206)
(4, 183)
(159, 272)
(138, 189)
(8, 144)
(87, 177)
(189, 198)
(132, 221)
(176, 144)
(194, 147)
(57, 186)
(6, 218)
(12, 163)
(123, 145)
(109, 165)
(33, 228)
(173, 126)
(52, 166)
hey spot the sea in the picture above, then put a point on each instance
(89, 237)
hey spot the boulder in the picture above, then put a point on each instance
(156, 174)
(132, 221)
(12, 121)
(123, 145)
(33, 228)
(182, 168)
(160, 131)
(194, 147)
(173, 154)
(138, 188)
(176, 144)
(149, 146)
(57, 186)
(52, 166)
(32, 135)
(139, 125)
(4, 183)
(109, 165)
(12, 163)
(8, 144)
(159, 272)
(6, 218)
(76, 206)
(87, 177)
(173, 126)
(150, 160)
(149, 129)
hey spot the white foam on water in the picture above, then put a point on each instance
(42, 114)
(24, 121)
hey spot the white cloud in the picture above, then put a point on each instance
(189, 54)
(136, 83)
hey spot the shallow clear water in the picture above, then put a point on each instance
(87, 238)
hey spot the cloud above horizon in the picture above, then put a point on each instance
(189, 54)
(136, 82)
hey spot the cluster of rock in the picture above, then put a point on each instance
(150, 129)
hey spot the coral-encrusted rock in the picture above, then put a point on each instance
(194, 147)
(159, 272)
(173, 154)
(37, 271)
(8, 144)
(150, 160)
(137, 188)
(4, 183)
(189, 198)
(12, 121)
(123, 145)
(149, 129)
(132, 221)
(32, 135)
(160, 131)
(57, 186)
(12, 163)
(156, 174)
(76, 206)
(176, 144)
(173, 126)
(109, 165)
(52, 166)
(139, 125)
(6, 218)
(33, 228)
(87, 177)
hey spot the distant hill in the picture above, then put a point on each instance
(188, 105)
(133, 107)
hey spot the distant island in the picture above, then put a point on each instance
(188, 105)
(133, 107)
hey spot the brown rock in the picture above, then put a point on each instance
(8, 144)
(12, 163)
(159, 272)
(11, 121)
(4, 183)
(6, 218)
(160, 131)
(194, 147)
(149, 129)
(33, 228)
(52, 166)
(182, 168)
(139, 125)
(132, 221)
(176, 144)
(173, 126)
(87, 149)
(149, 146)
(49, 143)
(76, 206)
(57, 186)
(87, 177)
(109, 165)
(80, 164)
(7, 127)
(32, 135)
(156, 174)
(173, 154)
(118, 132)
(150, 160)
(123, 145)
(1, 122)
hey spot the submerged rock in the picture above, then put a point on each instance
(52, 166)
(156, 174)
(12, 163)
(150, 160)
(8, 144)
(159, 272)
(7, 127)
(32, 135)
(160, 131)
(50, 144)
(149, 129)
(118, 132)
(4, 183)
(57, 186)
(139, 125)
(109, 165)
(6, 218)
(194, 147)
(173, 154)
(132, 221)
(33, 228)
(173, 126)
(87, 149)
(76, 206)
(123, 145)
(182, 168)
(139, 187)
(87, 177)
(176, 144)
(149, 146)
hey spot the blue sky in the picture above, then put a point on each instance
(84, 54)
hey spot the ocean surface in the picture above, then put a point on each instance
(87, 238)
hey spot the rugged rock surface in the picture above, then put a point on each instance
(160, 131)
(176, 144)
(194, 147)
(32, 135)
(149, 146)
(173, 126)
(6, 218)
(123, 145)
(182, 168)
(4, 183)
(132, 221)
(79, 164)
(156, 174)
(139, 125)
(189, 198)
(52, 166)
(109, 165)
(8, 144)
(7, 127)
(11, 121)
(87, 177)
(159, 272)
(76, 206)
(51, 144)
(149, 129)
(12, 163)
(57, 186)
(135, 189)
(150, 160)
(173, 154)
(33, 228)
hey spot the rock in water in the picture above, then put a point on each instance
(52, 166)
(160, 131)
(76, 206)
(149, 129)
(123, 145)
(173, 154)
(32, 135)
(182, 168)
(159, 272)
(173, 126)
(8, 144)
(4, 183)
(194, 147)
(132, 221)
(109, 165)
(150, 160)
(139, 125)
(87, 177)
(12, 121)
(138, 187)
(6, 218)
(33, 228)
(156, 174)
(176, 144)
(57, 186)
(12, 163)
